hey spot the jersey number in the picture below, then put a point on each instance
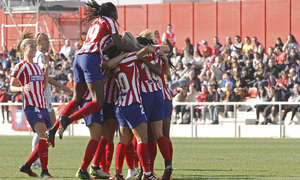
(123, 83)
(93, 32)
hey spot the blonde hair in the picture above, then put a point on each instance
(131, 41)
(37, 38)
(24, 39)
(148, 34)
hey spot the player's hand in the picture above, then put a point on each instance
(27, 87)
(67, 90)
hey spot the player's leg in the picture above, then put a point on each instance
(166, 124)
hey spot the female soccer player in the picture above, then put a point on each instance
(87, 70)
(33, 81)
(129, 111)
(153, 101)
(42, 42)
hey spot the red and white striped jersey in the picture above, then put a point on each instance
(148, 80)
(98, 35)
(162, 83)
(111, 90)
(126, 76)
(27, 72)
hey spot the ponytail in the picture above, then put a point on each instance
(23, 39)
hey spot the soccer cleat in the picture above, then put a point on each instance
(83, 175)
(51, 136)
(97, 171)
(139, 176)
(168, 173)
(119, 177)
(131, 173)
(64, 122)
(26, 169)
(45, 174)
(150, 177)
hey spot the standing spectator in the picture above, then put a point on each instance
(189, 46)
(202, 97)
(238, 45)
(262, 96)
(180, 97)
(191, 97)
(4, 98)
(257, 46)
(70, 84)
(169, 35)
(13, 51)
(67, 49)
(82, 38)
(247, 45)
(217, 45)
(77, 47)
(291, 43)
(278, 42)
(157, 38)
(280, 58)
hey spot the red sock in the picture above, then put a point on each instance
(86, 110)
(143, 153)
(109, 155)
(43, 153)
(136, 158)
(170, 150)
(164, 147)
(33, 156)
(89, 154)
(119, 157)
(152, 148)
(68, 110)
(129, 156)
(100, 151)
(103, 161)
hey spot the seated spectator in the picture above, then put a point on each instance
(70, 84)
(202, 97)
(238, 57)
(227, 78)
(186, 77)
(278, 42)
(227, 59)
(191, 97)
(13, 51)
(227, 45)
(269, 55)
(70, 60)
(296, 66)
(280, 58)
(295, 97)
(4, 98)
(238, 45)
(218, 69)
(187, 58)
(67, 49)
(240, 87)
(77, 47)
(235, 67)
(227, 96)
(259, 77)
(177, 71)
(180, 97)
(292, 57)
(247, 45)
(205, 76)
(176, 57)
(256, 60)
(262, 96)
(217, 44)
(205, 48)
(273, 96)
(62, 74)
(291, 43)
(257, 46)
(248, 56)
(281, 85)
(271, 73)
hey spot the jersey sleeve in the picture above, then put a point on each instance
(41, 61)
(16, 72)
(112, 26)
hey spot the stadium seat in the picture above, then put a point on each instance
(252, 92)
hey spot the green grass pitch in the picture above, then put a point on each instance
(194, 158)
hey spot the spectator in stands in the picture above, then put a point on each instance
(227, 59)
(238, 45)
(187, 58)
(291, 43)
(67, 49)
(273, 96)
(227, 96)
(269, 55)
(180, 97)
(256, 60)
(235, 68)
(227, 78)
(4, 98)
(280, 58)
(82, 38)
(262, 96)
(240, 87)
(176, 57)
(227, 45)
(218, 69)
(52, 70)
(5, 52)
(295, 97)
(70, 84)
(293, 79)
(257, 46)
(157, 38)
(191, 97)
(238, 57)
(259, 77)
(205, 48)
(217, 45)
(292, 57)
(296, 66)
(54, 94)
(247, 45)
(186, 77)
(205, 76)
(202, 97)
(248, 56)
(281, 85)
(62, 74)
(177, 71)
(278, 42)
(271, 72)
(13, 51)
(189, 46)
(77, 47)
(169, 35)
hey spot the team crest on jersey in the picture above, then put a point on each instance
(16, 68)
(40, 116)
(36, 78)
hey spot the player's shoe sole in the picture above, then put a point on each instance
(168, 173)
(64, 122)
(51, 136)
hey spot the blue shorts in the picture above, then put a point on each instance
(35, 114)
(109, 111)
(94, 117)
(168, 108)
(153, 103)
(132, 115)
(86, 68)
